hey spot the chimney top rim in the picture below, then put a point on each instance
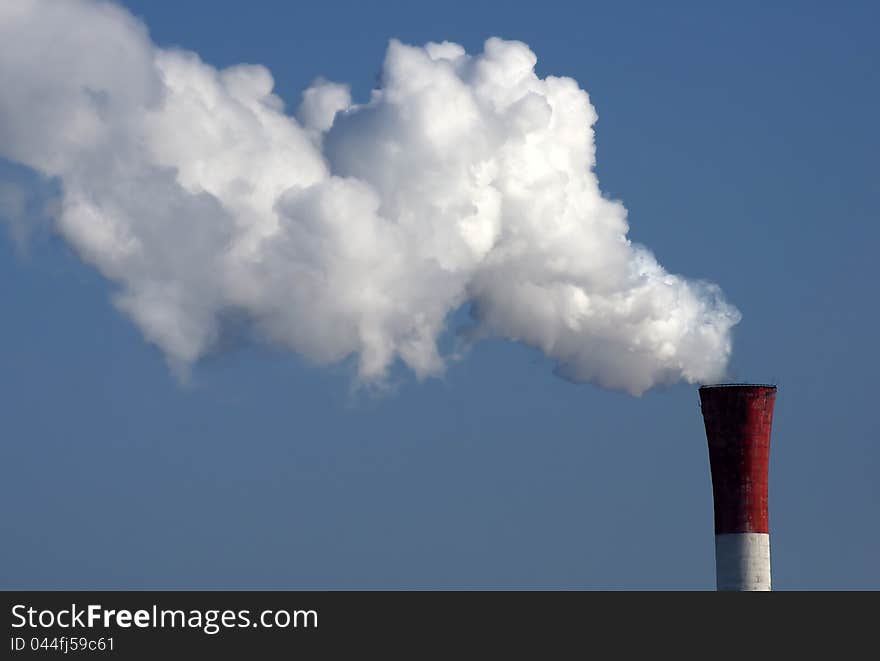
(711, 386)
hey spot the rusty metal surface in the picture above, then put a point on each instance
(738, 419)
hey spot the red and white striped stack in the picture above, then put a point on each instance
(738, 419)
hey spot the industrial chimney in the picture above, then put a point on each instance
(738, 420)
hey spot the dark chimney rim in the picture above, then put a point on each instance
(738, 385)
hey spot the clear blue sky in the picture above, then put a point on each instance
(743, 140)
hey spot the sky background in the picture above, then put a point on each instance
(743, 141)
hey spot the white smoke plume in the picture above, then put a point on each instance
(347, 229)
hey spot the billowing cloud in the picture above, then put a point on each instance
(345, 229)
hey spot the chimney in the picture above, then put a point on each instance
(738, 420)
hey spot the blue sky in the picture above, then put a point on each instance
(741, 139)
